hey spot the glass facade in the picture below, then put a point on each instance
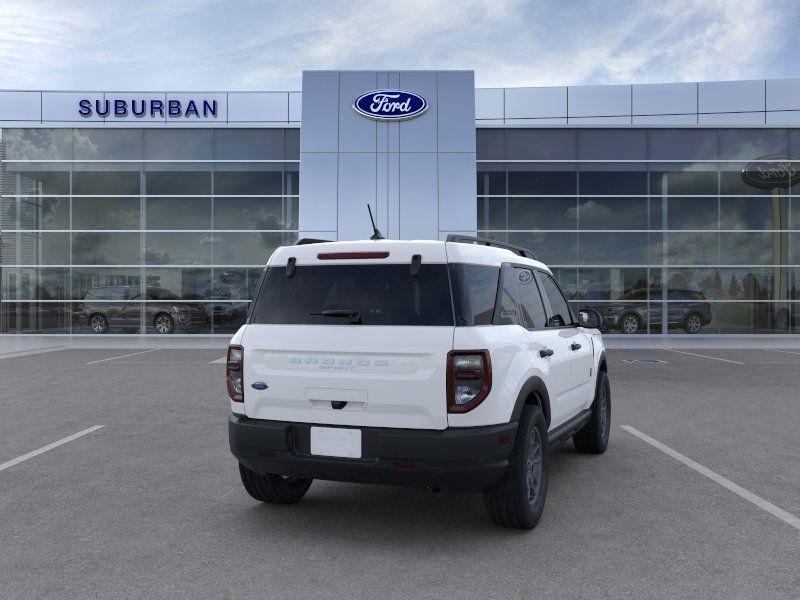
(656, 229)
(160, 230)
(141, 230)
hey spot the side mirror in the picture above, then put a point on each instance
(589, 318)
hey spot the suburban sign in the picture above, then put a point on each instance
(148, 107)
(390, 105)
(770, 172)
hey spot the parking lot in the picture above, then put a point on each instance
(150, 505)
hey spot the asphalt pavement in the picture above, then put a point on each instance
(150, 504)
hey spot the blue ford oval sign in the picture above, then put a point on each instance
(390, 105)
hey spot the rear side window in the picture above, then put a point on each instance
(561, 315)
(380, 294)
(474, 293)
(508, 299)
(530, 301)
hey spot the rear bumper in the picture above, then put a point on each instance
(463, 460)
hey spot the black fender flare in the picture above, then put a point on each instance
(537, 386)
(602, 362)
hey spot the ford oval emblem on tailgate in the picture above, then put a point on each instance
(259, 385)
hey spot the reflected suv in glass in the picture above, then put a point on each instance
(105, 307)
(691, 314)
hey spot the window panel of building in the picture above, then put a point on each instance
(38, 212)
(758, 212)
(107, 144)
(252, 213)
(179, 248)
(29, 248)
(612, 144)
(612, 213)
(523, 181)
(542, 213)
(235, 283)
(753, 248)
(36, 317)
(261, 180)
(105, 248)
(753, 143)
(612, 284)
(32, 180)
(692, 248)
(106, 213)
(109, 283)
(247, 248)
(248, 144)
(182, 283)
(177, 144)
(111, 182)
(493, 213)
(196, 182)
(177, 213)
(602, 248)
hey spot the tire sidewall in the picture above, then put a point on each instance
(530, 512)
(602, 394)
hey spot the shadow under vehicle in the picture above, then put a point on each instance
(691, 313)
(108, 307)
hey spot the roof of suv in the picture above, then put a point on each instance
(397, 251)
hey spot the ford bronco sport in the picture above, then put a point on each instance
(451, 364)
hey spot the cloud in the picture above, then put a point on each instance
(207, 44)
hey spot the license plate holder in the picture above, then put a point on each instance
(341, 442)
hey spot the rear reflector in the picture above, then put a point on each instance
(351, 255)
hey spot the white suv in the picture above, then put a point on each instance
(455, 365)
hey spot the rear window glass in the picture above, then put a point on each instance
(379, 294)
(474, 293)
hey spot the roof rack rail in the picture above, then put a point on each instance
(304, 241)
(470, 239)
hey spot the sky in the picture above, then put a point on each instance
(207, 45)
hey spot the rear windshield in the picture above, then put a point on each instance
(377, 294)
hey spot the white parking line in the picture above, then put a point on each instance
(224, 359)
(784, 351)
(94, 362)
(43, 449)
(716, 477)
(736, 362)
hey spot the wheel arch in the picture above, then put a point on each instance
(534, 391)
(602, 363)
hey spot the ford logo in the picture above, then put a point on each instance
(390, 105)
(770, 172)
(259, 385)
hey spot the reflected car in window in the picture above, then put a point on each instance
(116, 307)
(687, 309)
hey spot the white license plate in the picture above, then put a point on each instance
(336, 441)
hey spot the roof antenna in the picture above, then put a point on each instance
(377, 234)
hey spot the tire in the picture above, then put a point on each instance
(693, 323)
(163, 323)
(593, 437)
(98, 323)
(274, 489)
(630, 323)
(518, 499)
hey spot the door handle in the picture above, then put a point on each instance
(575, 346)
(545, 352)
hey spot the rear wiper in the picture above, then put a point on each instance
(352, 314)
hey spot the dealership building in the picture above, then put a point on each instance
(669, 208)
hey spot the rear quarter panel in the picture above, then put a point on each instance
(511, 367)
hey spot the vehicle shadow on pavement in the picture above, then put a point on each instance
(367, 514)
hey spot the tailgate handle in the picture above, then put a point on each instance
(338, 404)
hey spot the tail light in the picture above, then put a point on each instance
(235, 373)
(708, 306)
(469, 379)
